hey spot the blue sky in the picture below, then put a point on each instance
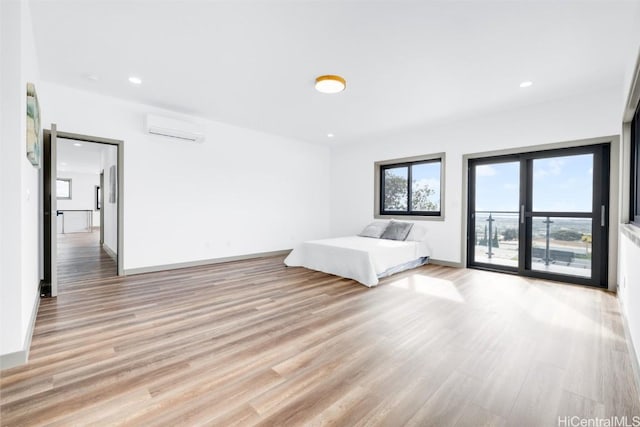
(559, 184)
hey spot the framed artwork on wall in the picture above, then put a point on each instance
(34, 144)
(112, 184)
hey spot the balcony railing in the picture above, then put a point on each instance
(558, 241)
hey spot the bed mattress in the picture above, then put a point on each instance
(363, 259)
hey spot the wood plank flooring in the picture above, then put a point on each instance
(81, 257)
(256, 343)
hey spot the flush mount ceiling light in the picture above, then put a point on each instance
(526, 83)
(135, 80)
(330, 84)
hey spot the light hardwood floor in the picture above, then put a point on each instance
(256, 343)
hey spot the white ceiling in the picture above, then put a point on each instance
(407, 63)
(85, 158)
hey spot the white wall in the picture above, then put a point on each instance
(239, 192)
(109, 157)
(83, 194)
(629, 285)
(629, 252)
(352, 166)
(10, 301)
(19, 182)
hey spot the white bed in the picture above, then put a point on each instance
(363, 259)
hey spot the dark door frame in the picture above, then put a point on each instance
(471, 196)
(101, 201)
(600, 212)
(49, 287)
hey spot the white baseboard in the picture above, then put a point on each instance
(20, 357)
(446, 263)
(156, 268)
(110, 252)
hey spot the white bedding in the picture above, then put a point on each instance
(359, 258)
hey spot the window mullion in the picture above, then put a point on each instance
(409, 180)
(382, 207)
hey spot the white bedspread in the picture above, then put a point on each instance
(358, 258)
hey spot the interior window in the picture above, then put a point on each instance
(63, 188)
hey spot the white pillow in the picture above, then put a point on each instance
(417, 233)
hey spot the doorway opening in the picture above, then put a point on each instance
(541, 214)
(82, 209)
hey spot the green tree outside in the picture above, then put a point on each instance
(566, 235)
(396, 192)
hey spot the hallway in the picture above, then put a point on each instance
(80, 257)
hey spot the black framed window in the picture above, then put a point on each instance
(634, 203)
(411, 188)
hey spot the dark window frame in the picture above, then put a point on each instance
(634, 200)
(408, 164)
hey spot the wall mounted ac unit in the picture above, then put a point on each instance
(172, 128)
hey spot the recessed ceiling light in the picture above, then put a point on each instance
(93, 77)
(330, 135)
(77, 144)
(526, 83)
(330, 84)
(135, 80)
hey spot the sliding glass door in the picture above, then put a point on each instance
(495, 227)
(541, 214)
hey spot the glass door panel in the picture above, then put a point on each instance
(563, 184)
(562, 215)
(496, 213)
(562, 245)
